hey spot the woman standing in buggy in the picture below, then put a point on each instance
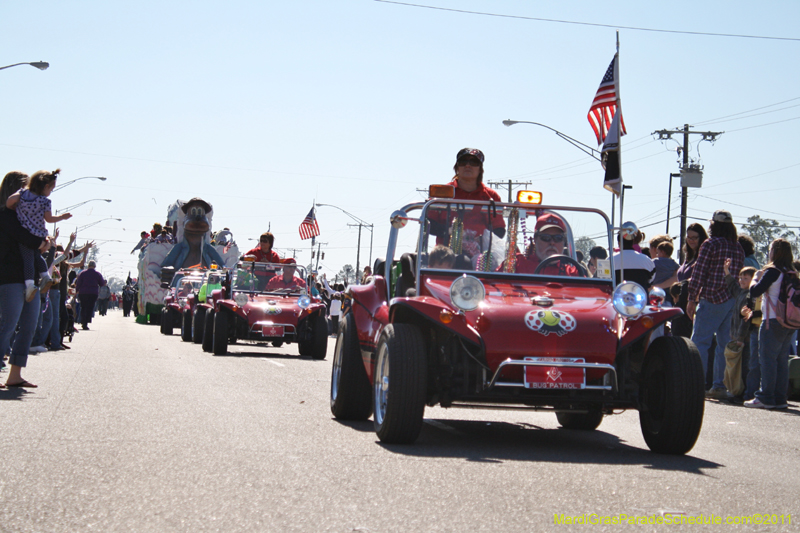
(469, 227)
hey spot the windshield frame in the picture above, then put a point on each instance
(408, 212)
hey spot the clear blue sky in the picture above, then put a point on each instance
(262, 107)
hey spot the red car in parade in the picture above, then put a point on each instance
(267, 302)
(508, 318)
(182, 286)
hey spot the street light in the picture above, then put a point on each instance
(41, 65)
(68, 208)
(360, 224)
(97, 222)
(579, 145)
(70, 182)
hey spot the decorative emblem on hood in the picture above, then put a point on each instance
(550, 321)
(542, 301)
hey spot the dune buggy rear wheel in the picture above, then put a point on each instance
(208, 332)
(351, 394)
(671, 396)
(220, 333)
(186, 326)
(399, 384)
(198, 324)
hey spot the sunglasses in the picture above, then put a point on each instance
(544, 237)
(265, 241)
(469, 162)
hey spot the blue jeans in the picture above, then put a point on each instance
(15, 310)
(55, 328)
(774, 356)
(709, 320)
(45, 322)
(753, 368)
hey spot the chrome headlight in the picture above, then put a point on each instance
(467, 292)
(303, 302)
(629, 299)
(657, 296)
(241, 299)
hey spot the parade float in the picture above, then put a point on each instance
(192, 247)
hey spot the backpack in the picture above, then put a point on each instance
(787, 312)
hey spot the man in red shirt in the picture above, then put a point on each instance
(288, 280)
(468, 182)
(549, 239)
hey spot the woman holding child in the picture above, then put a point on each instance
(15, 311)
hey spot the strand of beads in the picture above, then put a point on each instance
(458, 236)
(511, 249)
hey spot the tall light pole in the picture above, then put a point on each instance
(361, 223)
(579, 145)
(97, 222)
(41, 65)
(70, 182)
(68, 208)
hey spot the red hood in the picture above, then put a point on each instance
(515, 320)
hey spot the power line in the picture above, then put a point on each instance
(748, 111)
(591, 23)
(762, 125)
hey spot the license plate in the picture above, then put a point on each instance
(272, 331)
(555, 377)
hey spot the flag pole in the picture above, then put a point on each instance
(313, 238)
(619, 132)
(619, 156)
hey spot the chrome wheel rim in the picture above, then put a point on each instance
(337, 367)
(381, 383)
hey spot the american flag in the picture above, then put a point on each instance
(604, 105)
(309, 227)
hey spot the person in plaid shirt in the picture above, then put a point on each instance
(710, 305)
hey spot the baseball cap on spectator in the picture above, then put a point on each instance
(470, 152)
(550, 220)
(721, 215)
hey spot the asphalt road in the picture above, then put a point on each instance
(131, 430)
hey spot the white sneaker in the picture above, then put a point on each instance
(38, 349)
(755, 403)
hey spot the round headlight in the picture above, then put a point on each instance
(303, 302)
(629, 299)
(467, 292)
(240, 299)
(657, 296)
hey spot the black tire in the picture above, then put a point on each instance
(186, 326)
(399, 402)
(319, 337)
(198, 324)
(220, 335)
(314, 341)
(167, 321)
(351, 393)
(208, 331)
(671, 396)
(164, 322)
(277, 344)
(581, 421)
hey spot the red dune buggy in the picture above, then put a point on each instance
(510, 319)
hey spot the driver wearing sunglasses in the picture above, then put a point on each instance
(549, 239)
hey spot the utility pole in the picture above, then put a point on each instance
(319, 247)
(689, 172)
(294, 252)
(358, 252)
(509, 185)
